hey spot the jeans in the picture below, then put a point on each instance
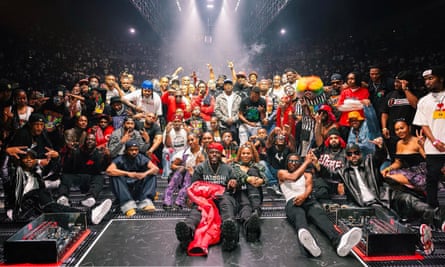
(270, 172)
(246, 131)
(167, 154)
(129, 190)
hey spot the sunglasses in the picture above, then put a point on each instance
(353, 152)
(294, 161)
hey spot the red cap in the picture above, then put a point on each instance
(215, 145)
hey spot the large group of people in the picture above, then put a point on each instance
(221, 140)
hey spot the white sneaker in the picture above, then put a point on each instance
(89, 202)
(348, 241)
(426, 238)
(50, 184)
(99, 212)
(308, 242)
(63, 200)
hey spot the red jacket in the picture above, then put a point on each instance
(208, 231)
(206, 110)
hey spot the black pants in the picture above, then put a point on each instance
(89, 184)
(311, 210)
(229, 206)
(434, 164)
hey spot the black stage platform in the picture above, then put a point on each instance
(152, 242)
(149, 240)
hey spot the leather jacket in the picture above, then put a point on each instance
(370, 173)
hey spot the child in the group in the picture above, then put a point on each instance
(259, 141)
(230, 147)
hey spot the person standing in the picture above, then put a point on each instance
(430, 115)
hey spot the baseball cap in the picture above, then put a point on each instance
(147, 84)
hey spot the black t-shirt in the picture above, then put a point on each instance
(397, 106)
(250, 109)
(276, 158)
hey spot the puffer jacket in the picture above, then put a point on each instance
(208, 231)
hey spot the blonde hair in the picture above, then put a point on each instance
(251, 147)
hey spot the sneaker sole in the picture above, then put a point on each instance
(253, 230)
(104, 209)
(354, 237)
(183, 234)
(426, 239)
(149, 208)
(229, 236)
(308, 242)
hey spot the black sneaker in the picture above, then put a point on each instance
(167, 207)
(274, 190)
(183, 234)
(229, 235)
(253, 229)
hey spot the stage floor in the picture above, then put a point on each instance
(152, 242)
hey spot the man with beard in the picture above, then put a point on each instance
(144, 101)
(328, 159)
(324, 121)
(77, 134)
(400, 103)
(117, 111)
(133, 177)
(430, 115)
(154, 134)
(83, 166)
(122, 135)
(296, 184)
(214, 171)
(227, 107)
(362, 179)
(278, 145)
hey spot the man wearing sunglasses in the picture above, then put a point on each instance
(301, 207)
(363, 182)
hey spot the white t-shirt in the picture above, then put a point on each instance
(426, 107)
(147, 104)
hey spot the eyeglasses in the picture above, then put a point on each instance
(349, 154)
(178, 96)
(335, 82)
(293, 161)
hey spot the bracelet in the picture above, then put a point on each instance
(436, 142)
(385, 129)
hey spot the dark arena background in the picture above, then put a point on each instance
(51, 43)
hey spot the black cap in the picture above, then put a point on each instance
(131, 143)
(36, 117)
(405, 75)
(228, 81)
(115, 99)
(333, 131)
(352, 146)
